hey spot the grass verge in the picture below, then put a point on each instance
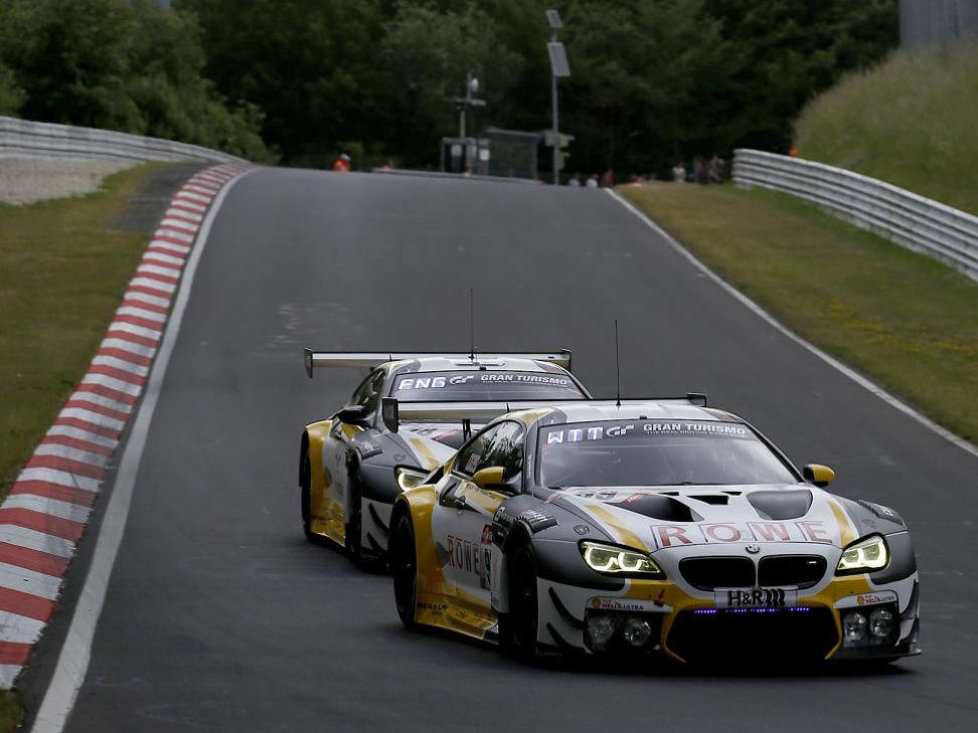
(64, 272)
(902, 318)
(909, 121)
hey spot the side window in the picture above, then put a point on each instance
(368, 393)
(504, 448)
(469, 458)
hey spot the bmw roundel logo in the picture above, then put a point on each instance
(753, 549)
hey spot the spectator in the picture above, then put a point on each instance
(592, 181)
(575, 181)
(607, 179)
(679, 172)
(714, 170)
(342, 164)
(699, 169)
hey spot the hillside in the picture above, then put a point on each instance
(910, 121)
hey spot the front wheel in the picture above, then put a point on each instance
(404, 566)
(518, 628)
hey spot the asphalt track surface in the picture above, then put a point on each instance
(220, 617)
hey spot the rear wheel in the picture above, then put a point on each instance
(518, 628)
(305, 480)
(404, 567)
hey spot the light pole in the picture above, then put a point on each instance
(463, 104)
(558, 68)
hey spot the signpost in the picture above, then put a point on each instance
(558, 68)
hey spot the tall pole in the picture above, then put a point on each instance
(556, 121)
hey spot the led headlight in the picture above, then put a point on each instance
(611, 559)
(408, 478)
(863, 556)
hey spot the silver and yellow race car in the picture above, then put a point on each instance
(352, 465)
(650, 528)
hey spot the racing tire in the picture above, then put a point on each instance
(518, 628)
(354, 524)
(404, 568)
(305, 480)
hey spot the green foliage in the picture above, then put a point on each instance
(909, 121)
(12, 96)
(127, 65)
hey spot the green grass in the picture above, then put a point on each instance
(910, 121)
(64, 272)
(907, 321)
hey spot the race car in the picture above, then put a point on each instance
(352, 465)
(650, 529)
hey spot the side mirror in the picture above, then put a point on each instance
(352, 414)
(488, 478)
(816, 473)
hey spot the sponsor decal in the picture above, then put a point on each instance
(867, 599)
(677, 535)
(633, 605)
(755, 597)
(537, 520)
(461, 379)
(606, 431)
(408, 383)
(581, 529)
(464, 555)
(366, 449)
(528, 378)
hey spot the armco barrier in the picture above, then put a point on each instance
(903, 217)
(24, 139)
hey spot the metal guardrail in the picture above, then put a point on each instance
(905, 218)
(24, 139)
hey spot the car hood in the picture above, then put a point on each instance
(431, 443)
(672, 517)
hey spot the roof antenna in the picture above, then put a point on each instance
(617, 368)
(472, 323)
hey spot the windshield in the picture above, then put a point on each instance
(656, 453)
(483, 386)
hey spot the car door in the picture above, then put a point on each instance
(462, 518)
(336, 447)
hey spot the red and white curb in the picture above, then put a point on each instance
(48, 507)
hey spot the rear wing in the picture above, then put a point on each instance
(371, 359)
(393, 412)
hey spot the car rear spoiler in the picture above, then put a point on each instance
(393, 412)
(314, 359)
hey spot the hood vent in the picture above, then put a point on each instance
(660, 507)
(781, 505)
(720, 500)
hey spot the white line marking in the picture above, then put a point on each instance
(95, 399)
(34, 540)
(112, 383)
(182, 249)
(152, 285)
(189, 196)
(70, 454)
(20, 629)
(157, 270)
(69, 675)
(163, 259)
(121, 364)
(128, 346)
(180, 224)
(93, 418)
(29, 581)
(147, 298)
(146, 315)
(59, 477)
(44, 505)
(69, 431)
(855, 376)
(185, 215)
(175, 234)
(135, 330)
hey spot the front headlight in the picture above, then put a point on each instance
(864, 555)
(408, 478)
(618, 560)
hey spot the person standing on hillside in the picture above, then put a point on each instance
(342, 164)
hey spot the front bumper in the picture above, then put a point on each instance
(658, 618)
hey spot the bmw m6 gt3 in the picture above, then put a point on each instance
(653, 528)
(352, 465)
